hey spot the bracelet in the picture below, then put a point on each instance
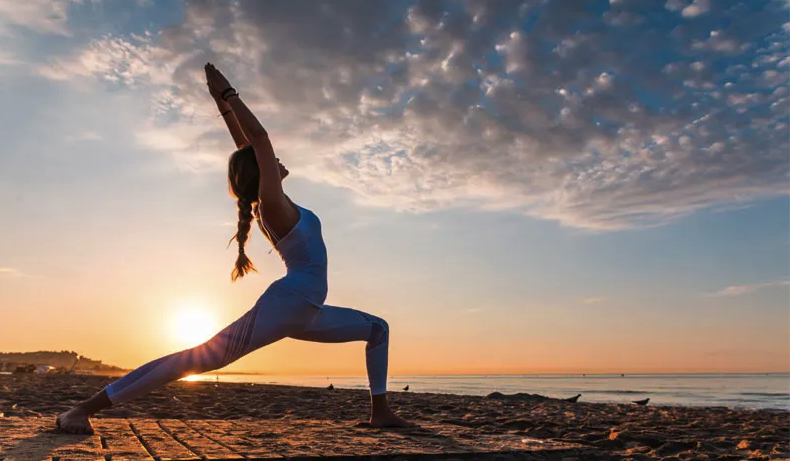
(230, 96)
(222, 114)
(225, 98)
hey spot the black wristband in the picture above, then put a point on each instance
(222, 114)
(225, 98)
(229, 96)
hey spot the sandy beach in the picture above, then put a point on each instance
(607, 431)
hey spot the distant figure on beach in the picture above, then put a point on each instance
(291, 307)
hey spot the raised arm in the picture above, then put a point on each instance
(230, 120)
(270, 191)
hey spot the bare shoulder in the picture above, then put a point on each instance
(281, 214)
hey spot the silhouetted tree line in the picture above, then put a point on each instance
(61, 360)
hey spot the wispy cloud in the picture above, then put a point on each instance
(9, 272)
(43, 16)
(738, 290)
(594, 300)
(7, 58)
(119, 61)
(84, 136)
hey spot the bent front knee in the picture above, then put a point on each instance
(379, 334)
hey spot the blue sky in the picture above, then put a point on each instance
(515, 186)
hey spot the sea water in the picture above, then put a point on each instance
(740, 391)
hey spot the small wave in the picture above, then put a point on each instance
(766, 394)
(623, 392)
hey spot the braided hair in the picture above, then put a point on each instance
(243, 179)
(243, 263)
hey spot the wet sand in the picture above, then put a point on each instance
(607, 431)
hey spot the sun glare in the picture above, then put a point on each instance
(193, 325)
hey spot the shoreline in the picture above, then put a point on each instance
(101, 380)
(749, 392)
(632, 395)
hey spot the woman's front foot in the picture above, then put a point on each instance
(390, 421)
(74, 421)
(382, 416)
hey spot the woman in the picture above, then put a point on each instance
(292, 307)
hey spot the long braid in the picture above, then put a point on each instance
(243, 263)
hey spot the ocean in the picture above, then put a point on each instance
(738, 391)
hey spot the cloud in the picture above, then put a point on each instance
(122, 62)
(9, 272)
(629, 115)
(43, 16)
(594, 300)
(738, 290)
(697, 8)
(89, 135)
(7, 58)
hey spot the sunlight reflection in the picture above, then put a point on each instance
(195, 378)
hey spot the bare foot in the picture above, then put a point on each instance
(389, 420)
(74, 421)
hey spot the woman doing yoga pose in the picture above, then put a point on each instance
(292, 307)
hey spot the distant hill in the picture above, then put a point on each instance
(62, 360)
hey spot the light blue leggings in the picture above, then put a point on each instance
(275, 316)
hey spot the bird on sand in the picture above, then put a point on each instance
(406, 388)
(330, 386)
(573, 399)
(641, 402)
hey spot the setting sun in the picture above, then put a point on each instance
(193, 325)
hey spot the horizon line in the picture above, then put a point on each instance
(511, 374)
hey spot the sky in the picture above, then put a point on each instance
(516, 187)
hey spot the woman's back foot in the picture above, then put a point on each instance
(74, 421)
